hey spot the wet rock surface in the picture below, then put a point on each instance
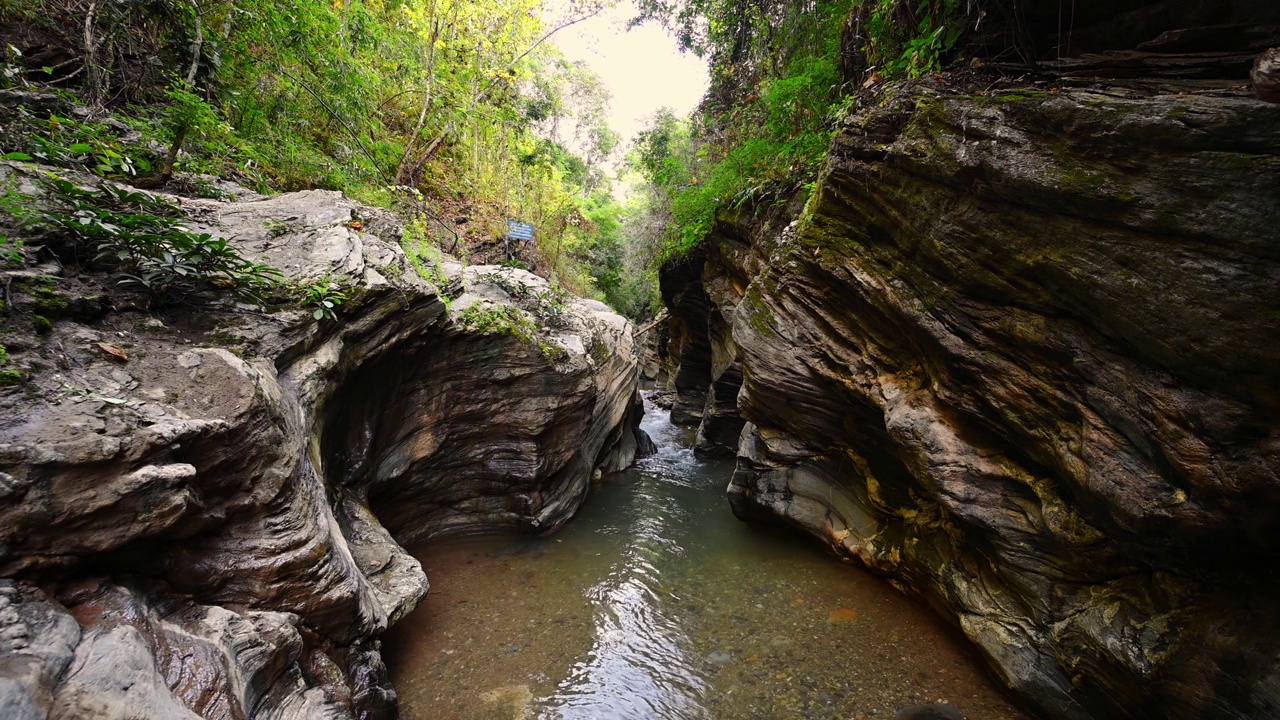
(1018, 354)
(213, 527)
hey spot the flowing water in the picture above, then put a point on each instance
(655, 602)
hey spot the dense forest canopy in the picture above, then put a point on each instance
(459, 114)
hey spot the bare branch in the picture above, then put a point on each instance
(196, 46)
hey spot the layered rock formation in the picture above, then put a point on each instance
(1018, 354)
(702, 293)
(213, 527)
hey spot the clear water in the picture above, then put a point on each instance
(656, 603)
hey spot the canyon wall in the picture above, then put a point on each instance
(202, 510)
(1018, 354)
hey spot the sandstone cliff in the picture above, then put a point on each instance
(1018, 353)
(213, 527)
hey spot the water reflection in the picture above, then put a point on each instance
(656, 603)
(639, 664)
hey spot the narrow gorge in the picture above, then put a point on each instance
(356, 363)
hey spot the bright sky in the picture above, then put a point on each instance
(642, 68)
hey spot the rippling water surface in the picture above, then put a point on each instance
(655, 602)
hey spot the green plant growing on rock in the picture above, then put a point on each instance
(89, 145)
(910, 38)
(511, 320)
(11, 69)
(323, 296)
(424, 256)
(501, 319)
(546, 306)
(10, 251)
(276, 227)
(8, 376)
(552, 353)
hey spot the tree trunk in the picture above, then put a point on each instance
(426, 104)
(196, 47)
(93, 74)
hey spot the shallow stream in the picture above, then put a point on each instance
(656, 603)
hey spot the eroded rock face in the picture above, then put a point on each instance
(1019, 354)
(1266, 75)
(214, 528)
(702, 295)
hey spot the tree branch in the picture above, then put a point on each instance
(436, 142)
(196, 46)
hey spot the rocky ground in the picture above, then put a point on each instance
(202, 508)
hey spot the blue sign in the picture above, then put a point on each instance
(519, 230)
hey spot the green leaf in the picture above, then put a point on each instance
(18, 156)
(318, 314)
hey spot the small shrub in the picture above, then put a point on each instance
(140, 237)
(501, 319)
(323, 296)
(552, 353)
(914, 53)
(89, 146)
(547, 306)
(510, 320)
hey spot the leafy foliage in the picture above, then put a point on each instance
(8, 376)
(502, 319)
(10, 251)
(142, 238)
(546, 306)
(485, 318)
(83, 145)
(323, 297)
(911, 38)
